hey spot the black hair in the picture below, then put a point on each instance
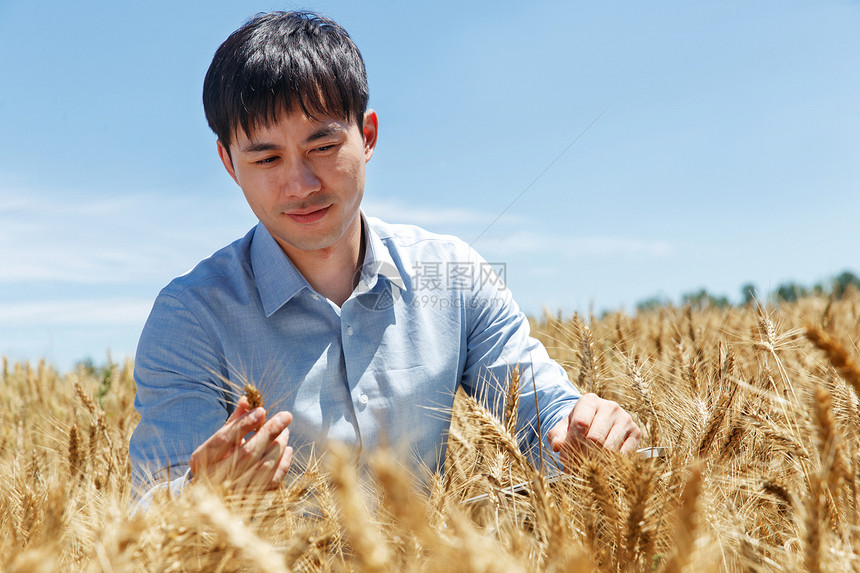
(279, 61)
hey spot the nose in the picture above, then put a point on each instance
(300, 180)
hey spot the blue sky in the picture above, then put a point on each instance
(725, 149)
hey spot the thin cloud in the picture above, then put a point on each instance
(611, 246)
(577, 247)
(394, 211)
(72, 237)
(111, 311)
(462, 222)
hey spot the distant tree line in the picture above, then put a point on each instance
(788, 291)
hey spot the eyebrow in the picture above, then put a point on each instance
(256, 146)
(321, 133)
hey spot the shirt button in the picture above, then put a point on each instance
(315, 297)
(363, 399)
(349, 333)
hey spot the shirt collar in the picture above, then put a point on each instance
(378, 261)
(278, 280)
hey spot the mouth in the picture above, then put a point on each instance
(306, 216)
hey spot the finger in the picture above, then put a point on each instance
(242, 406)
(582, 415)
(272, 469)
(617, 436)
(268, 433)
(632, 442)
(220, 444)
(604, 419)
(269, 472)
(556, 435)
(204, 452)
(283, 466)
(246, 423)
(282, 438)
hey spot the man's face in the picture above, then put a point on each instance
(304, 178)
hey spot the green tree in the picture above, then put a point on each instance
(844, 280)
(748, 293)
(790, 291)
(702, 299)
(652, 303)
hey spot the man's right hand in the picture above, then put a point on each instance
(260, 462)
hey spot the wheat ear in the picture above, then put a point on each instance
(838, 356)
(368, 547)
(512, 402)
(685, 535)
(255, 399)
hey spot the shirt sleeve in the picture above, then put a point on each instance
(180, 397)
(498, 340)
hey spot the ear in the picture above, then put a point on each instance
(225, 159)
(370, 130)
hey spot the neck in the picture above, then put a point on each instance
(333, 271)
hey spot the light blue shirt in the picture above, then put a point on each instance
(428, 316)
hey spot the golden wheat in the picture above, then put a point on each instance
(759, 427)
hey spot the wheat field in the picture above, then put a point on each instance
(756, 407)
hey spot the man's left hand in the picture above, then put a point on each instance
(594, 422)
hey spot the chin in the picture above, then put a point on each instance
(310, 242)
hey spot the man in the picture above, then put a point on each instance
(353, 329)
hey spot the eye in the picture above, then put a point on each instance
(325, 148)
(266, 161)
